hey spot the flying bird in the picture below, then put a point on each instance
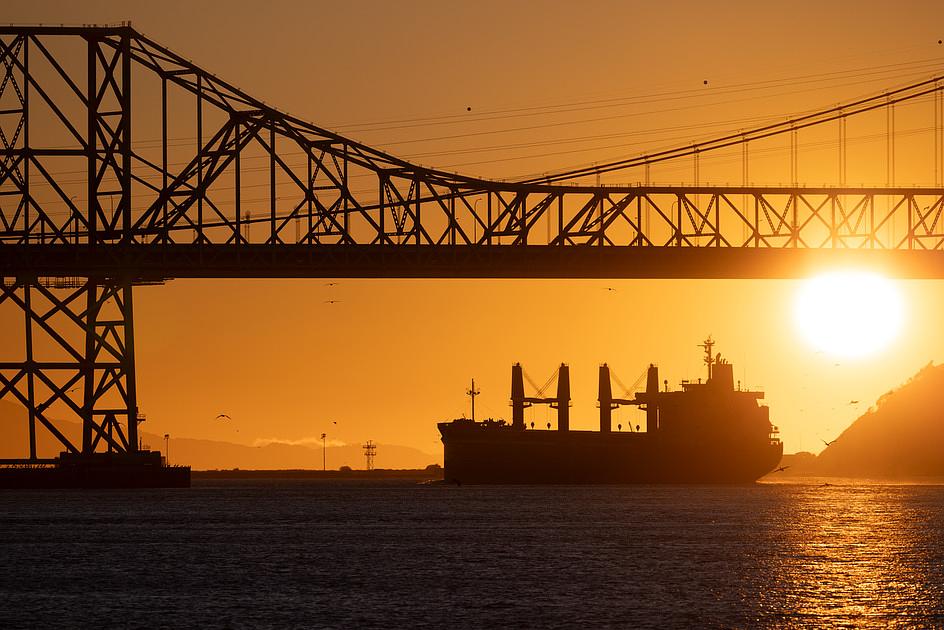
(781, 469)
(332, 301)
(331, 284)
(826, 443)
(610, 289)
(223, 416)
(853, 402)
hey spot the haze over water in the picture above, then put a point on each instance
(394, 554)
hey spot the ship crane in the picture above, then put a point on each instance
(561, 402)
(644, 400)
(607, 403)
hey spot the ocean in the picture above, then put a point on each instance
(394, 554)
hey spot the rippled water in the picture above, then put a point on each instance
(353, 555)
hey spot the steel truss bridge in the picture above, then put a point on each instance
(224, 185)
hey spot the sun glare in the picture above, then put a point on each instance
(849, 314)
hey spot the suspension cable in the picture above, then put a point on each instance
(792, 125)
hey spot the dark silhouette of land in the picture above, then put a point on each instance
(433, 472)
(203, 454)
(899, 437)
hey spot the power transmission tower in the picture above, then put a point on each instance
(370, 450)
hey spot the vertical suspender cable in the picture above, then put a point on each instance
(891, 150)
(888, 145)
(697, 196)
(744, 175)
(842, 151)
(890, 165)
(936, 155)
(793, 157)
(937, 140)
(646, 215)
(842, 158)
(940, 135)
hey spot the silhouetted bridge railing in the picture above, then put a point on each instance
(122, 162)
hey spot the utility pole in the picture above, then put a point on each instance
(324, 451)
(139, 418)
(473, 393)
(167, 448)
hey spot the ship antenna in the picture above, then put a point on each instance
(708, 344)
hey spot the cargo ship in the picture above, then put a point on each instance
(705, 432)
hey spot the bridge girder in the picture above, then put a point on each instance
(317, 188)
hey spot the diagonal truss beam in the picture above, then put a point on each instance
(78, 363)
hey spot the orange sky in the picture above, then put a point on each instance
(393, 357)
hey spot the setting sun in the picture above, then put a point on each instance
(849, 314)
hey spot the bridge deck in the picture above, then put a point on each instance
(159, 262)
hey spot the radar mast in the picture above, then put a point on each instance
(708, 344)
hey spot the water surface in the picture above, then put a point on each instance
(312, 553)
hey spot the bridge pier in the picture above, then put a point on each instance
(77, 364)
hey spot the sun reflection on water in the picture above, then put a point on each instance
(860, 556)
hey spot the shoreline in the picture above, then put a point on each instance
(421, 474)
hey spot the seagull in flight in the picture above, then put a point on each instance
(332, 301)
(826, 443)
(610, 289)
(331, 284)
(853, 402)
(223, 416)
(781, 469)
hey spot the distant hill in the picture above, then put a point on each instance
(901, 437)
(213, 454)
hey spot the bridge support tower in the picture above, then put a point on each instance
(76, 362)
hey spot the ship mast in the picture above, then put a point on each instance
(708, 344)
(473, 393)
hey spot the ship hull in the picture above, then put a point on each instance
(506, 455)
